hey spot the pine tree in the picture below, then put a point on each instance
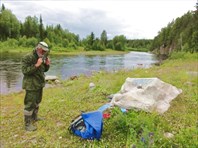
(41, 29)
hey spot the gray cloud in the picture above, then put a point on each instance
(134, 19)
(83, 23)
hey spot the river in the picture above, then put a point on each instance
(67, 66)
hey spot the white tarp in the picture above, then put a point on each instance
(148, 94)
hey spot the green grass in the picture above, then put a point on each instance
(138, 49)
(63, 51)
(62, 103)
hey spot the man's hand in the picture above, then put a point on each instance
(39, 62)
(47, 61)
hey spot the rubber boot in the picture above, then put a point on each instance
(35, 115)
(28, 124)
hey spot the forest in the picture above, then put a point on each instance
(179, 35)
(14, 33)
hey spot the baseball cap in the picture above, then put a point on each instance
(43, 45)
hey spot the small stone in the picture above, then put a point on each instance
(168, 135)
(57, 81)
(16, 135)
(91, 85)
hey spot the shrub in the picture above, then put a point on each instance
(65, 43)
(22, 41)
(72, 45)
(31, 42)
(11, 43)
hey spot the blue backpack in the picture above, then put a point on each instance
(88, 125)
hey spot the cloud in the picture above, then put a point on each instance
(89, 20)
(132, 18)
(80, 21)
(84, 21)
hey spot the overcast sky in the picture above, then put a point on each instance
(136, 19)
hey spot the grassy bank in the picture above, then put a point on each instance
(62, 103)
(63, 51)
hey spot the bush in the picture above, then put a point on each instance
(31, 42)
(182, 55)
(22, 41)
(72, 45)
(97, 46)
(110, 45)
(11, 43)
(65, 43)
(88, 47)
(136, 128)
(118, 46)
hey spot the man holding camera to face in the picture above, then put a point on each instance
(34, 65)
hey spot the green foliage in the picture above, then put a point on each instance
(59, 38)
(28, 42)
(31, 27)
(104, 38)
(31, 42)
(2, 8)
(41, 28)
(32, 30)
(194, 42)
(182, 55)
(89, 41)
(72, 45)
(179, 35)
(65, 43)
(22, 41)
(118, 46)
(97, 45)
(119, 42)
(137, 128)
(9, 25)
(13, 43)
(110, 44)
(187, 134)
(139, 45)
(137, 49)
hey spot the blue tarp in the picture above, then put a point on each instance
(106, 106)
(94, 124)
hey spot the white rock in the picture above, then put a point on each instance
(47, 78)
(57, 81)
(91, 85)
(168, 135)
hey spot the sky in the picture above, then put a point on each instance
(135, 19)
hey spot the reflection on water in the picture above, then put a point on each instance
(10, 74)
(67, 66)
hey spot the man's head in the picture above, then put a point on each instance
(41, 49)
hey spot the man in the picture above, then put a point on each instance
(33, 67)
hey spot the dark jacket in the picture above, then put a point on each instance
(34, 77)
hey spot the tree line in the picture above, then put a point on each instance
(180, 35)
(28, 33)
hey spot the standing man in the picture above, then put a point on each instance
(33, 67)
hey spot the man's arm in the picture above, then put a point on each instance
(28, 67)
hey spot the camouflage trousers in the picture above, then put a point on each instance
(32, 100)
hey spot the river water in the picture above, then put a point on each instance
(67, 66)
